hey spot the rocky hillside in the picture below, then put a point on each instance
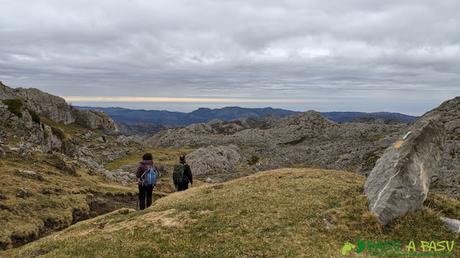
(52, 161)
(40, 103)
(309, 139)
(305, 139)
(145, 122)
(282, 213)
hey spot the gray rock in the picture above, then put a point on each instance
(214, 160)
(400, 181)
(452, 224)
(95, 120)
(53, 107)
(30, 174)
(59, 161)
(306, 139)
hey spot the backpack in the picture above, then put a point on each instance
(179, 176)
(149, 178)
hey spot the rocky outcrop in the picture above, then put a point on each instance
(400, 181)
(56, 109)
(214, 160)
(448, 178)
(47, 105)
(306, 139)
(93, 119)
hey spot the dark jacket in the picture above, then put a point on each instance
(143, 166)
(188, 172)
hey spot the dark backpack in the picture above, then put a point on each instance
(179, 176)
(149, 177)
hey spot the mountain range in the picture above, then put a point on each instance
(139, 121)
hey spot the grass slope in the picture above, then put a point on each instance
(270, 214)
(32, 205)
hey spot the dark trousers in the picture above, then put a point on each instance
(182, 187)
(145, 196)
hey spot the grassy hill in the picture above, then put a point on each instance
(286, 212)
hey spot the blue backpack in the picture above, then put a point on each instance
(149, 178)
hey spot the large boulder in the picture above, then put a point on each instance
(214, 160)
(400, 181)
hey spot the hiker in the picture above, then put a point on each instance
(182, 174)
(147, 175)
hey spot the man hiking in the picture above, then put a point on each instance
(147, 177)
(182, 174)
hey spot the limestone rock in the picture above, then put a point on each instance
(400, 181)
(214, 160)
(58, 160)
(452, 224)
(30, 174)
(95, 120)
(53, 107)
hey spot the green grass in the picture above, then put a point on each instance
(278, 213)
(162, 156)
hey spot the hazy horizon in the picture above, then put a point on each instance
(182, 109)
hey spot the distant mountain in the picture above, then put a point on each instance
(201, 115)
(138, 121)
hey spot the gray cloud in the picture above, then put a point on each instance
(349, 54)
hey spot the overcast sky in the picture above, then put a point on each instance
(340, 55)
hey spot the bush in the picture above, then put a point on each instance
(14, 106)
(253, 160)
(59, 133)
(35, 116)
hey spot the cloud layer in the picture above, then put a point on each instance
(344, 54)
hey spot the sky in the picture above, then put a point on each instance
(336, 55)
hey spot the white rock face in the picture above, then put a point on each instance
(214, 160)
(53, 107)
(400, 181)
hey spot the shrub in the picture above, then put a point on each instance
(14, 106)
(253, 160)
(35, 116)
(59, 133)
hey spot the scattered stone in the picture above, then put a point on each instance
(23, 193)
(452, 224)
(60, 163)
(327, 224)
(30, 174)
(400, 181)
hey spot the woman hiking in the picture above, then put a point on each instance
(147, 175)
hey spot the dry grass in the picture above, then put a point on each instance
(287, 212)
(34, 205)
(164, 156)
